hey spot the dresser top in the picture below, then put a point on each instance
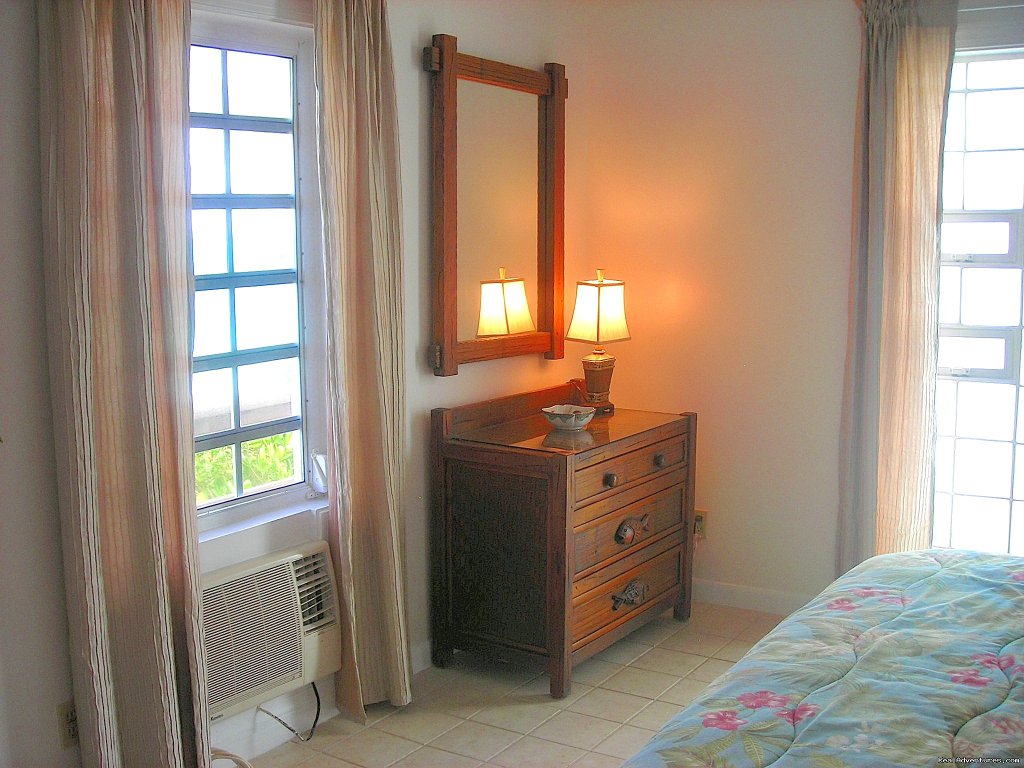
(536, 433)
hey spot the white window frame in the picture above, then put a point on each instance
(228, 30)
(987, 29)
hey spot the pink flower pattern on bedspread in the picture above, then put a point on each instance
(760, 699)
(907, 658)
(725, 720)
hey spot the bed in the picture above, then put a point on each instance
(907, 659)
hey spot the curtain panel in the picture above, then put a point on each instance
(113, 122)
(888, 429)
(361, 206)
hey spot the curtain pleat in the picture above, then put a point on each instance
(888, 428)
(361, 206)
(113, 122)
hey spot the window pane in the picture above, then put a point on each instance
(942, 520)
(995, 120)
(272, 461)
(945, 407)
(944, 464)
(266, 315)
(1008, 73)
(262, 163)
(1018, 473)
(1017, 529)
(955, 123)
(958, 80)
(985, 410)
(982, 468)
(263, 239)
(206, 161)
(991, 296)
(982, 524)
(213, 323)
(976, 237)
(269, 391)
(949, 295)
(209, 242)
(953, 181)
(215, 474)
(972, 352)
(1020, 410)
(259, 85)
(213, 398)
(993, 180)
(205, 93)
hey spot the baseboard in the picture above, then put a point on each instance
(420, 654)
(753, 598)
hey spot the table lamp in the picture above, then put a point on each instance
(599, 317)
(503, 307)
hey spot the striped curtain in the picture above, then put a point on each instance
(361, 206)
(888, 430)
(113, 122)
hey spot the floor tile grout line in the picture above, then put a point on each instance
(482, 670)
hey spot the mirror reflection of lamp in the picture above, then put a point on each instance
(503, 307)
(599, 317)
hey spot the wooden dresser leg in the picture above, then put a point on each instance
(561, 679)
(442, 657)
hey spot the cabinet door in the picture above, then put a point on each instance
(499, 540)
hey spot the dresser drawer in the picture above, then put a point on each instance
(618, 599)
(628, 528)
(599, 479)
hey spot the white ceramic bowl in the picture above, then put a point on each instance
(569, 418)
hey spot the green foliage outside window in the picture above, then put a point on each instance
(267, 461)
(215, 474)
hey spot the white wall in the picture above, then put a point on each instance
(709, 164)
(35, 673)
(719, 187)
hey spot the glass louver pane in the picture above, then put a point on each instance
(982, 468)
(990, 296)
(262, 163)
(206, 161)
(259, 85)
(263, 238)
(979, 523)
(266, 315)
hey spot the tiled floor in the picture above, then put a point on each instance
(478, 714)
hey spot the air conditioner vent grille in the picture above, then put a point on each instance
(316, 591)
(252, 635)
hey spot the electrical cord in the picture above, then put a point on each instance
(221, 754)
(312, 728)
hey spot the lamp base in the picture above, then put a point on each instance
(598, 367)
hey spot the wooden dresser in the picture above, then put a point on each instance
(555, 543)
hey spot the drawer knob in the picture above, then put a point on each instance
(659, 460)
(611, 480)
(629, 531)
(634, 594)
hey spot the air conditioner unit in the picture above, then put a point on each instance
(270, 625)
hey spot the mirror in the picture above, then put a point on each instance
(497, 194)
(497, 200)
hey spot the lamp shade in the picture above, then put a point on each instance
(600, 312)
(503, 307)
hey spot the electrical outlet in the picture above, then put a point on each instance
(700, 524)
(67, 724)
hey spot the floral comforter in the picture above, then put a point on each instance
(907, 660)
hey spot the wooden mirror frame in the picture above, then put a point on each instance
(447, 66)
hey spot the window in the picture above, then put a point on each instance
(979, 466)
(253, 239)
